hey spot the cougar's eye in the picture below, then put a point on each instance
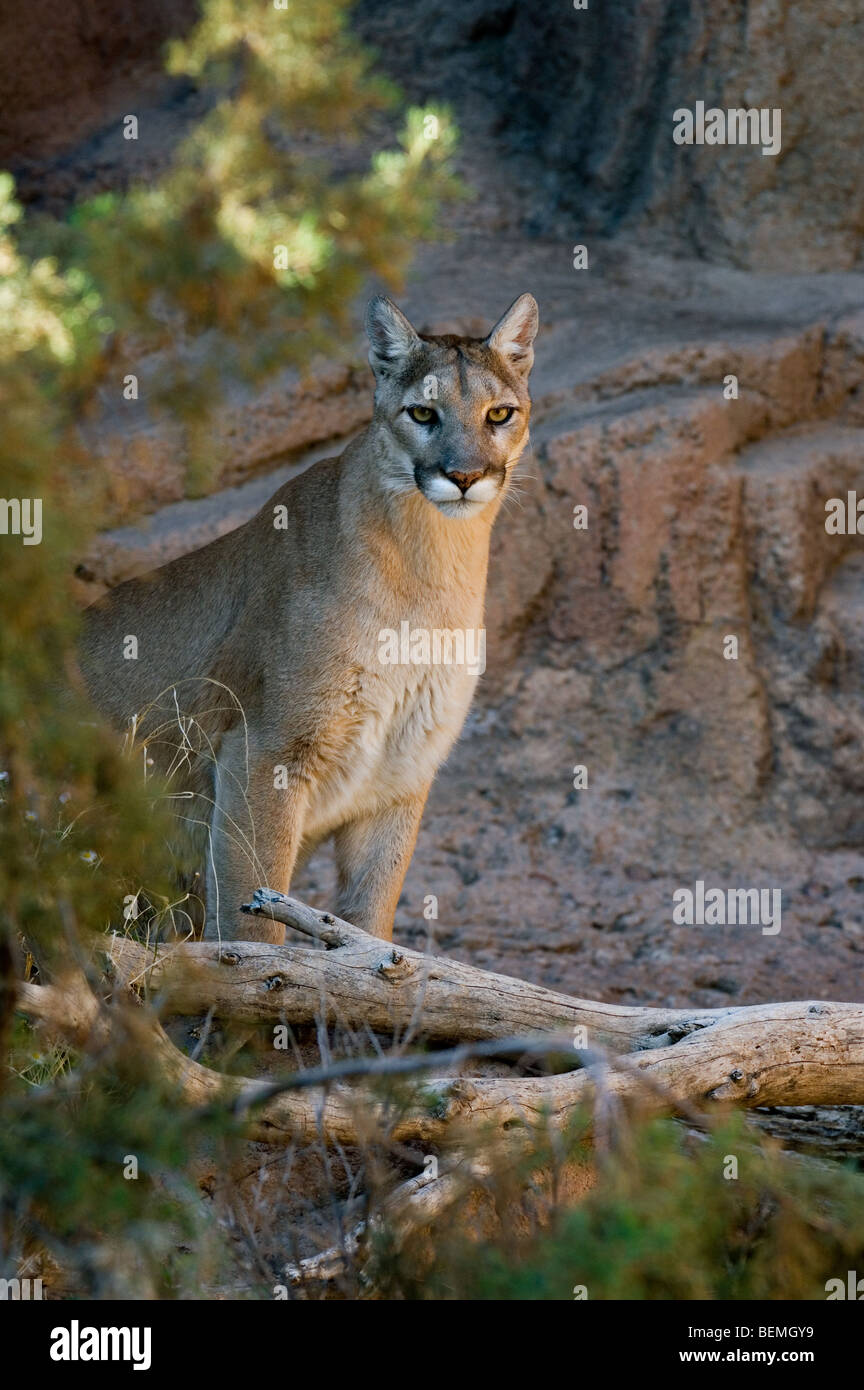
(422, 414)
(500, 414)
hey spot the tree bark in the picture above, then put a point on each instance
(360, 981)
(654, 1060)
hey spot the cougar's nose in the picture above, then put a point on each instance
(464, 480)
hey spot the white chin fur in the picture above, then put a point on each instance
(450, 499)
(442, 490)
(461, 510)
(483, 491)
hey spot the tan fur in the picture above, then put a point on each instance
(267, 640)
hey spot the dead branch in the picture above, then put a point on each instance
(800, 1053)
(411, 1205)
(358, 981)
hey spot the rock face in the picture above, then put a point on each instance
(589, 94)
(580, 102)
(145, 457)
(64, 68)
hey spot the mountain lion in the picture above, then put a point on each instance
(259, 678)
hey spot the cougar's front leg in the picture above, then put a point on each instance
(372, 856)
(256, 830)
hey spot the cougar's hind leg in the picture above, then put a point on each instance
(256, 832)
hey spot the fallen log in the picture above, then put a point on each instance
(799, 1053)
(694, 1063)
(356, 980)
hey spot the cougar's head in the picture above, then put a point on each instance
(453, 411)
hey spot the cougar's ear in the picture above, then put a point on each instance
(391, 337)
(513, 335)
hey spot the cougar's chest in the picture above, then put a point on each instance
(403, 720)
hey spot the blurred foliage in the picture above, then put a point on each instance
(71, 1200)
(254, 243)
(662, 1222)
(243, 257)
(70, 806)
